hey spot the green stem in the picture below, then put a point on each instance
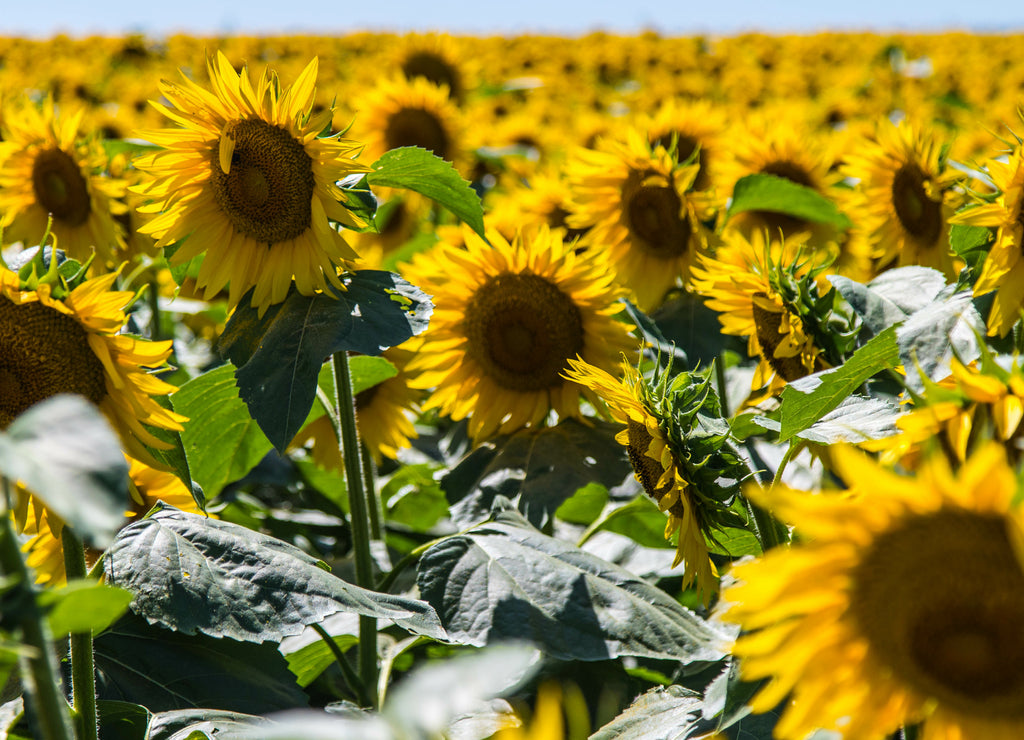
(358, 509)
(373, 500)
(350, 676)
(54, 722)
(153, 297)
(83, 666)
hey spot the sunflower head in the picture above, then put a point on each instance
(508, 318)
(637, 202)
(771, 292)
(678, 446)
(52, 177)
(250, 180)
(901, 603)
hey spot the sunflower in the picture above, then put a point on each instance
(48, 169)
(637, 203)
(506, 321)
(247, 179)
(903, 604)
(655, 465)
(437, 58)
(71, 344)
(905, 197)
(743, 282)
(1003, 269)
(416, 112)
(148, 485)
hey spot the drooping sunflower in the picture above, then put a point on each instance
(903, 604)
(637, 202)
(56, 341)
(248, 180)
(401, 112)
(765, 290)
(657, 467)
(1003, 269)
(48, 168)
(905, 197)
(147, 486)
(508, 317)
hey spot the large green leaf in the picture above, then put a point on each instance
(669, 713)
(892, 296)
(194, 574)
(949, 326)
(856, 419)
(164, 670)
(536, 469)
(64, 451)
(764, 192)
(122, 720)
(180, 724)
(279, 355)
(504, 580)
(221, 441)
(419, 170)
(806, 400)
(83, 606)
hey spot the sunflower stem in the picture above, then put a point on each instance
(374, 504)
(83, 666)
(358, 508)
(155, 328)
(39, 663)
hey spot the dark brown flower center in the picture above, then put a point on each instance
(648, 471)
(920, 215)
(767, 324)
(267, 194)
(940, 599)
(522, 330)
(654, 216)
(435, 69)
(43, 353)
(417, 127)
(60, 187)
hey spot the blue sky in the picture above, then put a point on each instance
(676, 17)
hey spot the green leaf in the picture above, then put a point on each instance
(808, 399)
(421, 171)
(891, 297)
(535, 469)
(764, 192)
(856, 419)
(949, 326)
(672, 713)
(504, 580)
(182, 724)
(164, 670)
(279, 356)
(640, 520)
(194, 574)
(965, 239)
(310, 661)
(114, 147)
(84, 606)
(584, 506)
(64, 451)
(175, 458)
(122, 720)
(412, 497)
(221, 441)
(367, 371)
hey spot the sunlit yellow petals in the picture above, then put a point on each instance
(247, 181)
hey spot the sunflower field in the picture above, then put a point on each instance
(409, 387)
